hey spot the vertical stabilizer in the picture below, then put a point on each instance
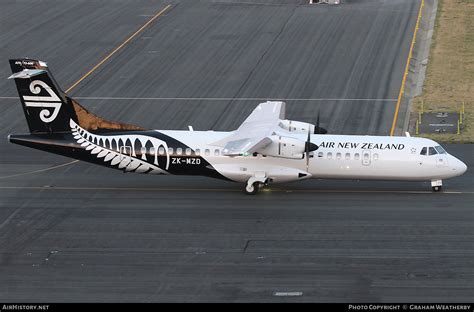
(47, 109)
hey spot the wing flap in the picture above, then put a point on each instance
(250, 145)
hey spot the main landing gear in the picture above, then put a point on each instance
(436, 185)
(252, 189)
(255, 183)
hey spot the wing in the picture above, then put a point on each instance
(253, 134)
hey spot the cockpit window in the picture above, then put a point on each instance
(423, 151)
(440, 150)
(432, 151)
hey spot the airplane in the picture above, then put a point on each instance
(267, 148)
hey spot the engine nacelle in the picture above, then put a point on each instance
(301, 127)
(296, 126)
(284, 147)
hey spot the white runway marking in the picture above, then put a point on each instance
(10, 217)
(288, 293)
(40, 170)
(212, 99)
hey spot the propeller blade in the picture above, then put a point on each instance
(306, 147)
(320, 130)
(317, 128)
(317, 118)
(309, 147)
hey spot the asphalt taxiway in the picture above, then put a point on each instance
(76, 232)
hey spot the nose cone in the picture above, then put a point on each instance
(463, 167)
(458, 166)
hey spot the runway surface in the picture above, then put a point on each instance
(77, 232)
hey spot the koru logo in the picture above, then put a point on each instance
(51, 101)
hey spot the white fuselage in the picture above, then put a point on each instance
(338, 157)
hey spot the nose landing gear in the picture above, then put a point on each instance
(436, 185)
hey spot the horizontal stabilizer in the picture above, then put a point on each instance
(27, 73)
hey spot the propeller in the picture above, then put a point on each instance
(317, 128)
(309, 147)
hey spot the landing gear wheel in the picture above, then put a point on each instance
(436, 185)
(436, 188)
(252, 189)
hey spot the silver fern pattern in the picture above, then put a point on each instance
(113, 149)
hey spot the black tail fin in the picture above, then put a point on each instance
(47, 108)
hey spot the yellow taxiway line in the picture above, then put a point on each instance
(119, 47)
(407, 67)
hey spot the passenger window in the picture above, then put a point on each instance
(179, 151)
(320, 154)
(423, 151)
(329, 155)
(170, 150)
(197, 152)
(356, 156)
(376, 156)
(216, 152)
(338, 155)
(161, 150)
(207, 152)
(432, 151)
(348, 156)
(188, 151)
